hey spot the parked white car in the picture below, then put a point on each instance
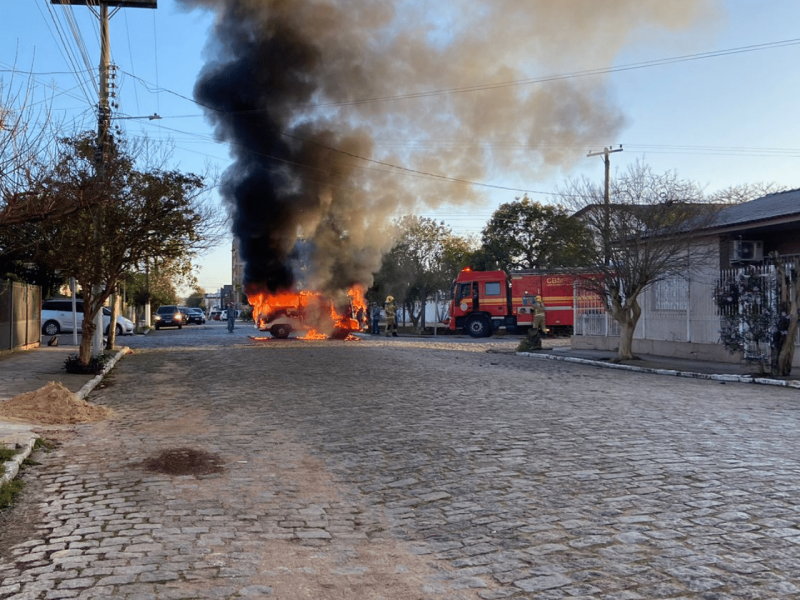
(57, 318)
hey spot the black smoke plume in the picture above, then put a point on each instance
(320, 100)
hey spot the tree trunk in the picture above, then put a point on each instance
(413, 315)
(786, 356)
(790, 282)
(424, 295)
(85, 349)
(91, 305)
(789, 302)
(112, 324)
(626, 329)
(627, 315)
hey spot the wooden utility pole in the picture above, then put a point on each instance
(100, 10)
(606, 202)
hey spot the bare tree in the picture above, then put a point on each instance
(640, 236)
(28, 153)
(738, 194)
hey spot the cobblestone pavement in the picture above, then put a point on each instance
(410, 469)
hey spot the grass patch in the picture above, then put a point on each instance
(9, 492)
(43, 444)
(6, 454)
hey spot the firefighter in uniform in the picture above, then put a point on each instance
(538, 315)
(538, 329)
(391, 316)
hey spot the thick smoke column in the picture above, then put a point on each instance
(305, 90)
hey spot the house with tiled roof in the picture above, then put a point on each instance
(679, 315)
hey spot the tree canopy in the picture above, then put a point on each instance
(422, 262)
(525, 234)
(148, 215)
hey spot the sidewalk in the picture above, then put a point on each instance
(663, 365)
(27, 371)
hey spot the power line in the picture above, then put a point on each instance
(572, 75)
(519, 82)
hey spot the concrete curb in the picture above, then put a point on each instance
(90, 385)
(12, 466)
(690, 374)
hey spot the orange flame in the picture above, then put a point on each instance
(310, 312)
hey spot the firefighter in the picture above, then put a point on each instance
(391, 316)
(538, 315)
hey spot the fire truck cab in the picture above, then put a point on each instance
(480, 302)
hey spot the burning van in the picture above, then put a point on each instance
(311, 314)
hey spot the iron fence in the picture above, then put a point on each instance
(590, 316)
(689, 308)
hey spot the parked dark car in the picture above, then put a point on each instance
(168, 316)
(193, 315)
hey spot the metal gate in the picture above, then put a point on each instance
(20, 315)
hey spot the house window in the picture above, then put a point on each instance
(492, 288)
(671, 294)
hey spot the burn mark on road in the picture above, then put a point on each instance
(184, 461)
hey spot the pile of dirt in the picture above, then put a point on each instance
(52, 404)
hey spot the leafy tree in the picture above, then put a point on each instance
(422, 263)
(155, 284)
(195, 299)
(525, 234)
(640, 237)
(150, 214)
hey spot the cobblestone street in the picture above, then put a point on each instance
(405, 469)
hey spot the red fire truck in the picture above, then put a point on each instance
(481, 302)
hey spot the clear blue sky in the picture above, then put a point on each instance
(719, 118)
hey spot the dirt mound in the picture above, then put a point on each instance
(52, 404)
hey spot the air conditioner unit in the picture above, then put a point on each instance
(747, 251)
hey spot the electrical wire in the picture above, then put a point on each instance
(66, 49)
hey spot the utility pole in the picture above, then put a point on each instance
(606, 201)
(100, 10)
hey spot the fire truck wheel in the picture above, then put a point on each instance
(280, 331)
(478, 327)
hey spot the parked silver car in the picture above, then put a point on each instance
(57, 318)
